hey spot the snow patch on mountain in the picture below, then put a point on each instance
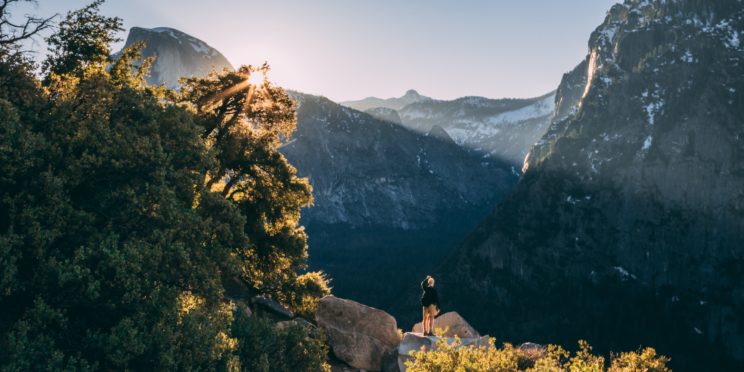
(539, 109)
(502, 128)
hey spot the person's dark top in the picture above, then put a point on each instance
(429, 296)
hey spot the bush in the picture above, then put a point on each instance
(642, 360)
(306, 291)
(455, 357)
(452, 356)
(263, 346)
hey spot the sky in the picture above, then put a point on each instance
(351, 49)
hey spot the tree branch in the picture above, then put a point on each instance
(18, 32)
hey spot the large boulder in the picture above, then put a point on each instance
(455, 324)
(359, 335)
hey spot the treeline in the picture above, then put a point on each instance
(126, 210)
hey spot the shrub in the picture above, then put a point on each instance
(306, 291)
(453, 356)
(641, 360)
(263, 346)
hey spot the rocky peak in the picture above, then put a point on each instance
(177, 54)
(396, 103)
(412, 94)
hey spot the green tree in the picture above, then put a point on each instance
(121, 215)
(82, 39)
(243, 125)
(265, 347)
(108, 241)
(13, 32)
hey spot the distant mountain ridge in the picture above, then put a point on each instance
(501, 128)
(177, 55)
(411, 96)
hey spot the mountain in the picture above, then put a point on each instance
(366, 171)
(385, 196)
(502, 128)
(398, 103)
(178, 54)
(384, 113)
(627, 226)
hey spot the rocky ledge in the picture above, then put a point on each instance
(365, 338)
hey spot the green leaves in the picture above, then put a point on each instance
(82, 40)
(124, 208)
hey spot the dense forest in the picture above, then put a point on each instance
(134, 219)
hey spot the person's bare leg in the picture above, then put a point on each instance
(427, 329)
(423, 322)
(431, 318)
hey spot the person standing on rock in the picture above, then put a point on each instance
(430, 304)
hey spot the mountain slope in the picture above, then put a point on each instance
(385, 196)
(501, 128)
(628, 225)
(177, 55)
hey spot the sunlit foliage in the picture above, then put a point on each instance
(453, 356)
(243, 125)
(303, 295)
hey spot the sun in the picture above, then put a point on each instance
(257, 78)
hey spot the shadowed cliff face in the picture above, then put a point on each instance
(365, 171)
(177, 55)
(628, 225)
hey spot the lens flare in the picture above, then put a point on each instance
(257, 78)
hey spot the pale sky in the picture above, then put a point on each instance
(351, 49)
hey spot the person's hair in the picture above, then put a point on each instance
(431, 282)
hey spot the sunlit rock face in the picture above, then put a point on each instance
(176, 55)
(389, 202)
(628, 226)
